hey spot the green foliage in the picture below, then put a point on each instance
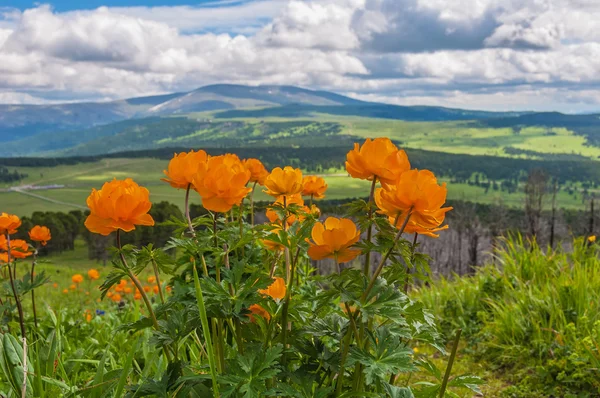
(538, 310)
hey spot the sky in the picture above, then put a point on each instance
(477, 54)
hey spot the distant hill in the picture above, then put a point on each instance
(226, 115)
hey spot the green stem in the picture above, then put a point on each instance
(14, 289)
(450, 363)
(237, 330)
(187, 210)
(345, 349)
(367, 266)
(33, 290)
(160, 292)
(140, 288)
(252, 204)
(206, 333)
(412, 260)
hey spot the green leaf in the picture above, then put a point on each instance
(398, 392)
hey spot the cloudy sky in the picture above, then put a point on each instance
(478, 54)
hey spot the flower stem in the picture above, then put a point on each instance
(238, 327)
(386, 256)
(33, 290)
(14, 289)
(206, 333)
(450, 363)
(252, 204)
(140, 288)
(412, 260)
(187, 210)
(160, 292)
(367, 266)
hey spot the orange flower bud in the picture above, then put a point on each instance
(183, 167)
(120, 204)
(333, 239)
(377, 158)
(9, 223)
(286, 182)
(314, 186)
(258, 172)
(40, 234)
(77, 278)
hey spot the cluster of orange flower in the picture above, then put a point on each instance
(411, 199)
(9, 224)
(122, 289)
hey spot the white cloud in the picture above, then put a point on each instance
(412, 51)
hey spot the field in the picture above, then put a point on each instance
(78, 180)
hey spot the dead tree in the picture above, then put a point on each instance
(535, 190)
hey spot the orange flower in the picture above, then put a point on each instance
(333, 239)
(65, 291)
(109, 294)
(137, 295)
(93, 274)
(273, 216)
(414, 228)
(258, 172)
(151, 279)
(147, 289)
(377, 158)
(271, 244)
(120, 204)
(9, 223)
(256, 309)
(183, 167)
(18, 248)
(417, 191)
(55, 285)
(73, 287)
(286, 181)
(221, 183)
(127, 290)
(4, 257)
(116, 298)
(40, 234)
(276, 290)
(314, 186)
(119, 288)
(168, 289)
(88, 316)
(155, 289)
(77, 278)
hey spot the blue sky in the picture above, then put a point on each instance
(476, 54)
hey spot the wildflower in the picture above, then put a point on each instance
(88, 316)
(127, 290)
(276, 290)
(9, 223)
(120, 204)
(119, 288)
(256, 309)
(168, 289)
(155, 289)
(273, 215)
(18, 248)
(183, 167)
(333, 239)
(417, 192)
(55, 285)
(116, 297)
(286, 182)
(414, 228)
(147, 289)
(40, 234)
(137, 295)
(378, 158)
(109, 294)
(591, 238)
(73, 287)
(221, 183)
(77, 278)
(93, 274)
(314, 187)
(258, 172)
(65, 291)
(151, 279)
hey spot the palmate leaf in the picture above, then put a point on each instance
(112, 279)
(389, 356)
(398, 392)
(25, 285)
(466, 381)
(248, 373)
